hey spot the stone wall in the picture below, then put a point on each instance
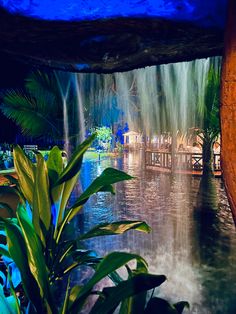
(228, 108)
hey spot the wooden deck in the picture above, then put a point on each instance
(182, 162)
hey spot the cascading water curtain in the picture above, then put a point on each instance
(153, 100)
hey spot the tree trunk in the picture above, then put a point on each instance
(228, 108)
(207, 158)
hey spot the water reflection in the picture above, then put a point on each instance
(193, 248)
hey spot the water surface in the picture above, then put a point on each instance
(194, 249)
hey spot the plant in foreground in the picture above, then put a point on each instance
(37, 243)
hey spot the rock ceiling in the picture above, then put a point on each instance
(93, 36)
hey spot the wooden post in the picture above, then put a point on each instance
(228, 108)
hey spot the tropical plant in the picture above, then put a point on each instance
(38, 244)
(209, 115)
(104, 137)
(38, 108)
(6, 160)
(8, 304)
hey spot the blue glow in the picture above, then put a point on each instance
(203, 13)
(81, 66)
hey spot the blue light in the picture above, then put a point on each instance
(81, 66)
(202, 13)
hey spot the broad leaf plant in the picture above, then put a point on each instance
(37, 242)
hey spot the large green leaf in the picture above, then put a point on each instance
(80, 257)
(70, 214)
(4, 220)
(6, 304)
(133, 286)
(114, 228)
(41, 208)
(180, 306)
(65, 192)
(4, 251)
(135, 304)
(54, 164)
(66, 299)
(73, 295)
(17, 249)
(102, 183)
(26, 173)
(109, 264)
(34, 251)
(55, 168)
(74, 165)
(159, 306)
(14, 300)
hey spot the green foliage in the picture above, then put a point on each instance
(104, 134)
(10, 304)
(212, 100)
(160, 306)
(104, 137)
(32, 112)
(37, 241)
(6, 160)
(38, 108)
(209, 118)
(208, 112)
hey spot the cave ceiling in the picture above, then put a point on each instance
(109, 36)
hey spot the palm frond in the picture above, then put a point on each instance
(27, 113)
(43, 87)
(208, 111)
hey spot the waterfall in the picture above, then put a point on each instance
(80, 110)
(64, 91)
(65, 126)
(153, 100)
(157, 101)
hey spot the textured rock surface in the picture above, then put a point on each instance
(106, 45)
(228, 108)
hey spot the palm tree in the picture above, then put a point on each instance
(209, 114)
(209, 132)
(38, 109)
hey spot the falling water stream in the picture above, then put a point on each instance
(81, 124)
(64, 90)
(152, 100)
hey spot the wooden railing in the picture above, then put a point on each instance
(179, 161)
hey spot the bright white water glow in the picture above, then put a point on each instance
(80, 110)
(64, 90)
(153, 100)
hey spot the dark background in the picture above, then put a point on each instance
(12, 76)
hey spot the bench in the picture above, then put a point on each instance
(30, 147)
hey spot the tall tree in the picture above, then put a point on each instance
(209, 132)
(209, 115)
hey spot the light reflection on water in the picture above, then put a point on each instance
(195, 251)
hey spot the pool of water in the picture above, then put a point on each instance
(195, 249)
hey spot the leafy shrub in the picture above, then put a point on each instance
(6, 160)
(37, 243)
(103, 139)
